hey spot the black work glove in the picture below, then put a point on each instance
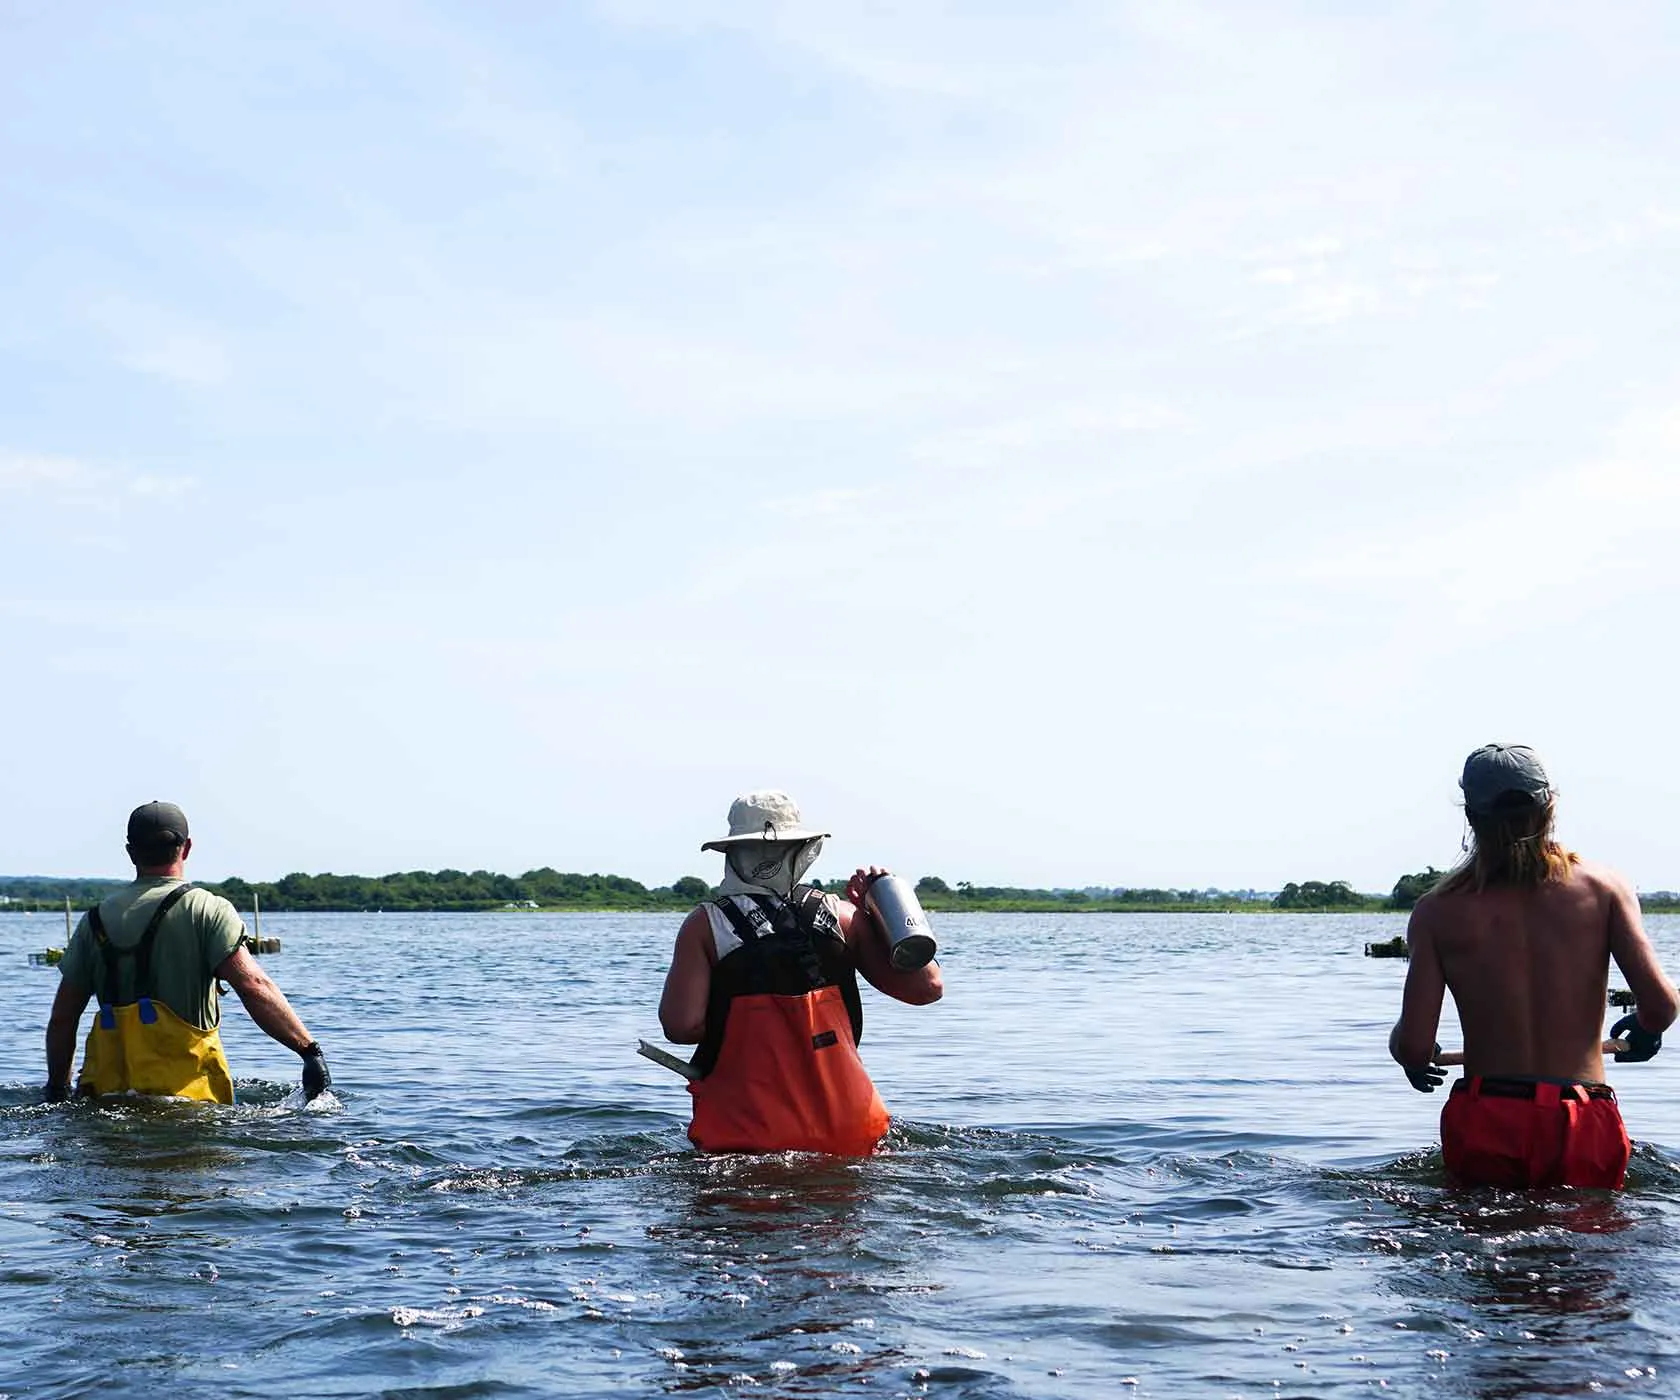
(1426, 1078)
(317, 1078)
(55, 1093)
(1641, 1043)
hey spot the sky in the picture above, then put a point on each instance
(1059, 443)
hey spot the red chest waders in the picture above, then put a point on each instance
(779, 1058)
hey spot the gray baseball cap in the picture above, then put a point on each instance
(154, 823)
(1496, 770)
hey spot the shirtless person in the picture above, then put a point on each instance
(1522, 933)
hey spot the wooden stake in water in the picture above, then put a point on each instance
(67, 928)
(256, 912)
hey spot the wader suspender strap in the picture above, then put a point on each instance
(141, 952)
(815, 913)
(814, 906)
(812, 917)
(750, 925)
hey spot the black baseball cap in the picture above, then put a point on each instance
(1495, 771)
(157, 824)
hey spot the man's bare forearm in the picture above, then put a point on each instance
(1656, 1009)
(61, 1051)
(265, 1003)
(69, 1001)
(269, 1008)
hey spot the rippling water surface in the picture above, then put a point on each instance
(1133, 1155)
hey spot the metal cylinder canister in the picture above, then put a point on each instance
(896, 909)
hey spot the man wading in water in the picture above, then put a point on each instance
(764, 980)
(152, 953)
(1522, 933)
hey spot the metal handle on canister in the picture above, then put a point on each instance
(894, 905)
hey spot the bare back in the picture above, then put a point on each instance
(1528, 970)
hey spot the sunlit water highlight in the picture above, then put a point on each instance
(1134, 1155)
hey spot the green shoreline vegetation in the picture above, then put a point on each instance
(459, 891)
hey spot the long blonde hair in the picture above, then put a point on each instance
(1513, 848)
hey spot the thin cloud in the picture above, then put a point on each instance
(156, 340)
(1624, 234)
(1581, 528)
(942, 51)
(162, 488)
(69, 479)
(831, 505)
(1054, 430)
(29, 473)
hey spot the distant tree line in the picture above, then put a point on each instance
(936, 894)
(450, 891)
(462, 891)
(412, 890)
(28, 891)
(1408, 889)
(1322, 894)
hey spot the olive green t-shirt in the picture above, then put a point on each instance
(200, 933)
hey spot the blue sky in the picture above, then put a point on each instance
(1062, 443)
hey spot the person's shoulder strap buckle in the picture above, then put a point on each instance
(750, 924)
(814, 910)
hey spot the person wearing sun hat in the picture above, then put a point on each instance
(763, 980)
(152, 953)
(1522, 933)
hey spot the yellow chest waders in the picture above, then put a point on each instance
(144, 1047)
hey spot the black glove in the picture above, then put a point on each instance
(1426, 1078)
(317, 1078)
(55, 1093)
(1641, 1043)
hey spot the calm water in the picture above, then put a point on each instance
(1134, 1155)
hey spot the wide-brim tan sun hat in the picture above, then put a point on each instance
(763, 816)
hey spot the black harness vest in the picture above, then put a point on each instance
(788, 948)
(110, 957)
